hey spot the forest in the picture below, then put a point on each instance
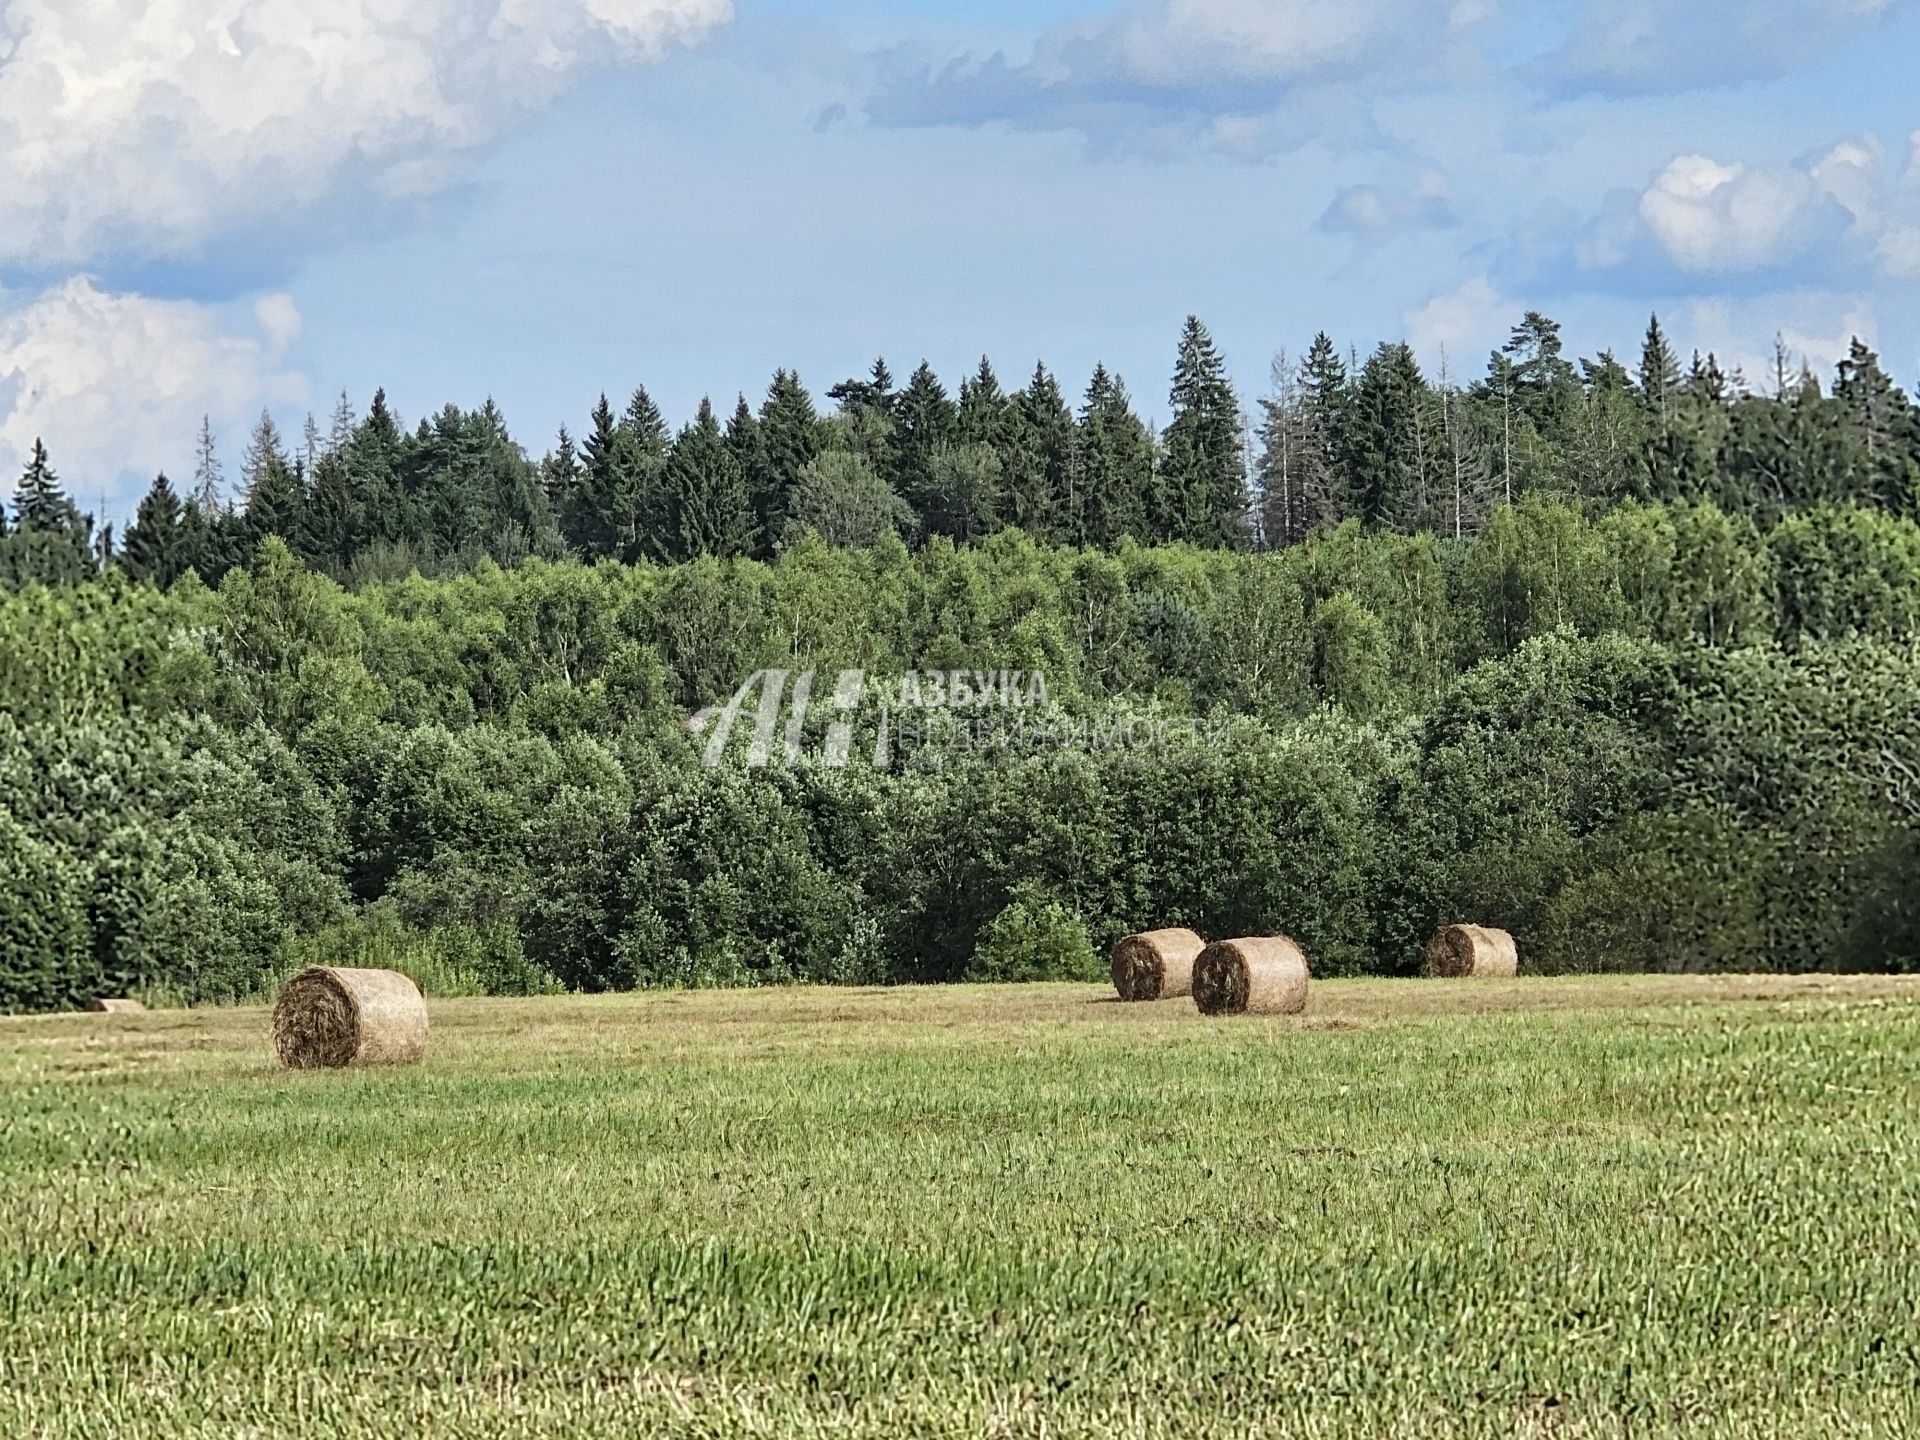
(1624, 660)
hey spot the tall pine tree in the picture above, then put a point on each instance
(1388, 440)
(152, 549)
(1114, 461)
(789, 439)
(925, 420)
(586, 521)
(1301, 491)
(1204, 477)
(1883, 428)
(708, 509)
(40, 505)
(1038, 490)
(273, 495)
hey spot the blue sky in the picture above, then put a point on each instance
(211, 206)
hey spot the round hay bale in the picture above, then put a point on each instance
(1461, 952)
(1156, 965)
(115, 1005)
(326, 1018)
(1264, 976)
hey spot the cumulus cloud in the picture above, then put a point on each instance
(1461, 326)
(1374, 212)
(1709, 218)
(1637, 47)
(1215, 69)
(144, 127)
(113, 381)
(1835, 217)
(1899, 246)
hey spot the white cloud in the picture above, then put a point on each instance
(1464, 326)
(1176, 41)
(1714, 219)
(1169, 74)
(1628, 47)
(146, 126)
(1899, 252)
(1825, 218)
(118, 383)
(1374, 212)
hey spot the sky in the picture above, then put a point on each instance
(215, 207)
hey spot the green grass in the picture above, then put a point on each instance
(1595, 1207)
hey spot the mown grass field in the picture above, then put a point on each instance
(1608, 1206)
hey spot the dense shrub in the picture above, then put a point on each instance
(1034, 938)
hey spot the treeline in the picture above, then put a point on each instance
(1337, 439)
(1655, 738)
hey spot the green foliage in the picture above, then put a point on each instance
(45, 959)
(1034, 938)
(444, 960)
(844, 500)
(1350, 741)
(1350, 655)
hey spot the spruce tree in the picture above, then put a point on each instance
(330, 525)
(1114, 462)
(1326, 394)
(152, 549)
(985, 414)
(1880, 426)
(1204, 471)
(707, 507)
(1659, 371)
(374, 455)
(926, 420)
(1389, 451)
(586, 514)
(743, 440)
(519, 521)
(1300, 493)
(646, 426)
(199, 544)
(789, 439)
(1665, 457)
(438, 474)
(1783, 454)
(273, 498)
(618, 507)
(560, 473)
(1038, 490)
(40, 505)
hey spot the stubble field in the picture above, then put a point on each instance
(1607, 1206)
